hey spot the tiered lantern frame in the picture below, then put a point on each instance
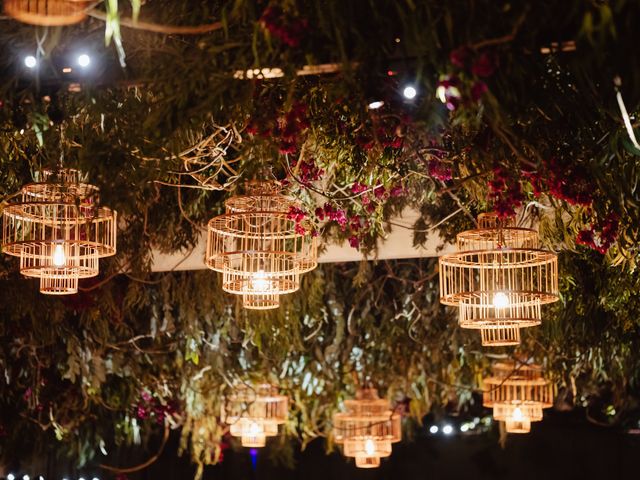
(517, 394)
(499, 277)
(47, 13)
(58, 231)
(367, 428)
(259, 248)
(254, 413)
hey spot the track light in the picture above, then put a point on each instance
(84, 60)
(409, 92)
(30, 61)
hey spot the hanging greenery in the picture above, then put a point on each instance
(515, 111)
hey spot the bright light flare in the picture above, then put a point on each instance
(409, 92)
(30, 61)
(500, 300)
(84, 60)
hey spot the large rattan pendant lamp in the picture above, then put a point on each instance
(58, 230)
(367, 428)
(253, 413)
(499, 277)
(517, 394)
(258, 247)
(47, 13)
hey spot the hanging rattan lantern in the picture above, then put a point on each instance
(499, 277)
(47, 13)
(58, 231)
(254, 413)
(517, 394)
(259, 248)
(367, 428)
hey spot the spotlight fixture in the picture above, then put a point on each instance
(376, 104)
(409, 92)
(11, 476)
(25, 477)
(84, 60)
(447, 429)
(433, 429)
(30, 61)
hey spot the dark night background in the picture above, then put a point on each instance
(564, 446)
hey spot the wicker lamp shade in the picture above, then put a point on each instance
(58, 231)
(499, 277)
(48, 13)
(367, 428)
(259, 248)
(254, 413)
(500, 336)
(517, 394)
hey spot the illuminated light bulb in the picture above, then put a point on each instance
(517, 415)
(25, 477)
(500, 300)
(447, 429)
(30, 61)
(84, 60)
(11, 476)
(59, 258)
(259, 282)
(254, 429)
(433, 429)
(409, 92)
(369, 447)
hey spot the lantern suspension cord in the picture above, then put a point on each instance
(625, 115)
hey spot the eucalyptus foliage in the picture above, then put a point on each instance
(535, 130)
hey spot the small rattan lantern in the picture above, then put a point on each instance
(517, 394)
(58, 231)
(47, 13)
(254, 413)
(259, 248)
(499, 277)
(367, 428)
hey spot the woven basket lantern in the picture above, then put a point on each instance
(47, 13)
(254, 413)
(258, 246)
(58, 231)
(499, 276)
(367, 428)
(517, 394)
(500, 336)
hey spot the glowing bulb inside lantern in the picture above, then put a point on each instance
(500, 300)
(254, 429)
(517, 415)
(259, 282)
(59, 258)
(369, 447)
